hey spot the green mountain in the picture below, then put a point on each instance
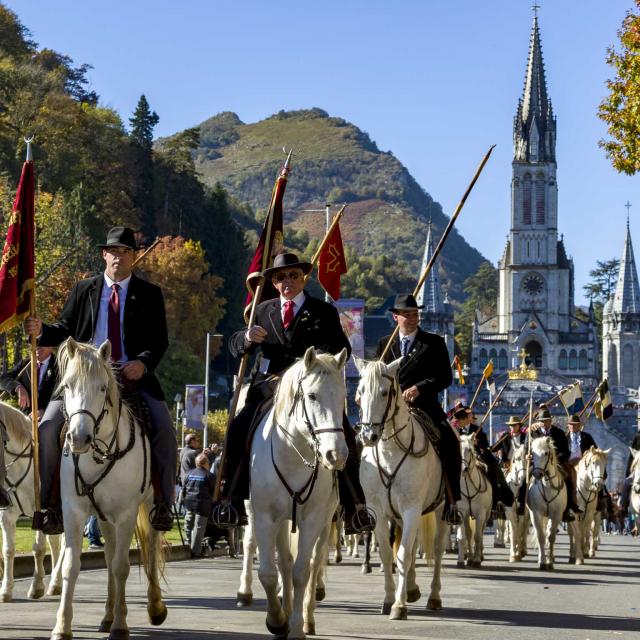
(335, 162)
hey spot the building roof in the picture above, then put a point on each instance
(430, 294)
(626, 298)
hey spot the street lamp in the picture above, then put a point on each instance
(205, 418)
(178, 402)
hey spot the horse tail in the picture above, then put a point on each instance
(152, 552)
(428, 535)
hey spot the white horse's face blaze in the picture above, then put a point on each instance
(541, 455)
(596, 467)
(376, 397)
(467, 450)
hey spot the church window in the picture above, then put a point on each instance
(493, 355)
(540, 200)
(483, 358)
(538, 247)
(502, 359)
(562, 360)
(526, 200)
(573, 359)
(528, 247)
(582, 359)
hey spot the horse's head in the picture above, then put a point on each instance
(315, 394)
(595, 465)
(377, 396)
(635, 470)
(543, 457)
(87, 386)
(467, 450)
(518, 463)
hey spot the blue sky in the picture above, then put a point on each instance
(434, 81)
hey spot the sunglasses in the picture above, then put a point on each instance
(283, 275)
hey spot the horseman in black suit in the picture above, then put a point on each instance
(285, 327)
(579, 441)
(425, 372)
(119, 306)
(509, 441)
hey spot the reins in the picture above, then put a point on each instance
(541, 487)
(482, 484)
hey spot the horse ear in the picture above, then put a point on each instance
(393, 367)
(309, 357)
(341, 358)
(359, 362)
(606, 451)
(71, 346)
(634, 452)
(105, 350)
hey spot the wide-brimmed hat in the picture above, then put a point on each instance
(405, 302)
(287, 261)
(575, 419)
(120, 237)
(513, 420)
(462, 412)
(543, 414)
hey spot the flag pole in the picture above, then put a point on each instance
(591, 399)
(493, 403)
(327, 235)
(526, 490)
(149, 249)
(475, 395)
(443, 239)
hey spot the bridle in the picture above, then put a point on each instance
(392, 399)
(546, 474)
(481, 487)
(593, 490)
(301, 496)
(14, 486)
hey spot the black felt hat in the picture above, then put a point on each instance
(120, 237)
(405, 302)
(287, 261)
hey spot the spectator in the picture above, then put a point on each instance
(197, 496)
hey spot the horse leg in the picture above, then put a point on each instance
(301, 571)
(109, 535)
(120, 570)
(319, 557)
(244, 596)
(413, 590)
(284, 544)
(74, 524)
(8, 523)
(386, 557)
(512, 526)
(366, 563)
(36, 590)
(539, 525)
(266, 534)
(403, 560)
(156, 608)
(552, 529)
(442, 532)
(55, 583)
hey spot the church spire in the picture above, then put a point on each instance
(430, 295)
(534, 129)
(626, 298)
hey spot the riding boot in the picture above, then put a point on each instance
(572, 502)
(5, 498)
(50, 455)
(450, 458)
(522, 498)
(625, 495)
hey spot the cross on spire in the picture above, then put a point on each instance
(535, 8)
(628, 206)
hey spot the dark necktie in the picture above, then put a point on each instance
(38, 369)
(288, 314)
(113, 323)
(404, 346)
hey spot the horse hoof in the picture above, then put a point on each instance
(366, 568)
(6, 597)
(157, 619)
(282, 630)
(338, 560)
(61, 636)
(105, 626)
(398, 613)
(413, 595)
(54, 590)
(434, 604)
(321, 594)
(460, 564)
(35, 594)
(386, 608)
(513, 558)
(498, 545)
(309, 628)
(244, 600)
(571, 560)
(579, 561)
(119, 634)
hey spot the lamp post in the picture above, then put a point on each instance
(205, 418)
(178, 402)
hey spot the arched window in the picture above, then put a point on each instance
(573, 359)
(483, 358)
(526, 200)
(493, 355)
(540, 199)
(583, 360)
(502, 359)
(534, 354)
(562, 359)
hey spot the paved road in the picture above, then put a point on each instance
(516, 602)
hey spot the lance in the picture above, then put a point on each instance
(149, 249)
(495, 400)
(244, 361)
(526, 490)
(591, 399)
(475, 395)
(443, 239)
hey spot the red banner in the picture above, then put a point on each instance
(271, 241)
(17, 265)
(332, 263)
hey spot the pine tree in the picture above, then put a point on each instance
(142, 124)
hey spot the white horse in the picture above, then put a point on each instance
(634, 501)
(475, 503)
(105, 471)
(19, 462)
(295, 453)
(401, 475)
(589, 481)
(546, 499)
(517, 524)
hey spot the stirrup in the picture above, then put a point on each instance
(452, 516)
(225, 516)
(363, 520)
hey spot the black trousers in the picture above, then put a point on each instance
(236, 472)
(450, 457)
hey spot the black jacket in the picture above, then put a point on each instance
(21, 375)
(560, 442)
(482, 442)
(144, 330)
(506, 444)
(427, 366)
(586, 441)
(316, 324)
(197, 491)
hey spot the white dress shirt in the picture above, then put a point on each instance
(102, 326)
(411, 337)
(298, 301)
(574, 443)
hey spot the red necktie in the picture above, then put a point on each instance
(38, 369)
(113, 323)
(288, 314)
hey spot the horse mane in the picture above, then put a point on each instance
(589, 455)
(17, 424)
(635, 464)
(83, 366)
(288, 385)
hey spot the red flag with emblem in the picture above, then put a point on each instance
(332, 263)
(17, 265)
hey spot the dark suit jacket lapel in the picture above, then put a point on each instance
(275, 318)
(95, 290)
(301, 316)
(131, 303)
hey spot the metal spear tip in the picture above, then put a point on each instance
(287, 162)
(29, 154)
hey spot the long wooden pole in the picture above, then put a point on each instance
(150, 248)
(327, 235)
(591, 399)
(493, 404)
(443, 239)
(475, 395)
(527, 471)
